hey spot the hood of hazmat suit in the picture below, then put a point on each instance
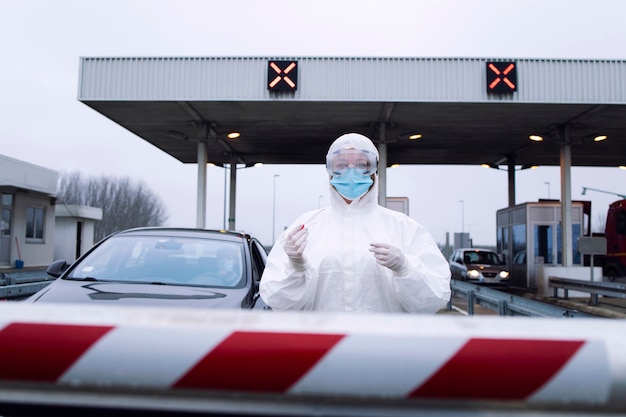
(337, 271)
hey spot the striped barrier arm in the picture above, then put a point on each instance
(267, 362)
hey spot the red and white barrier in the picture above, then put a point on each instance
(530, 361)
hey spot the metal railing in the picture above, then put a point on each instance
(23, 283)
(595, 288)
(506, 304)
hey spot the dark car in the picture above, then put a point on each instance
(478, 265)
(163, 267)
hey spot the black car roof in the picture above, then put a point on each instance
(187, 232)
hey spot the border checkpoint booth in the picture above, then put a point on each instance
(529, 239)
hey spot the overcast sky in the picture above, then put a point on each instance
(42, 122)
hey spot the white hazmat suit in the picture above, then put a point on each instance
(356, 256)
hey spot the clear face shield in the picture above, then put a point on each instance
(360, 160)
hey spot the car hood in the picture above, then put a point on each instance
(71, 291)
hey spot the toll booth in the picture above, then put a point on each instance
(529, 239)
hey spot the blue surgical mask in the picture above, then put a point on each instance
(352, 184)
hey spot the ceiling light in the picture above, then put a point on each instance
(529, 166)
(394, 165)
(233, 135)
(486, 165)
(600, 138)
(415, 136)
(258, 164)
(622, 167)
(536, 138)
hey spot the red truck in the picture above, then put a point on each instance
(614, 262)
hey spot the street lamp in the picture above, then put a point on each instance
(548, 184)
(602, 191)
(274, 211)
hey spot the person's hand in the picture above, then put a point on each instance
(295, 243)
(388, 256)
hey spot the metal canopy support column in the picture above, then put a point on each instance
(382, 166)
(511, 175)
(566, 195)
(232, 192)
(201, 191)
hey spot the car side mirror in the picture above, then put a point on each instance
(56, 268)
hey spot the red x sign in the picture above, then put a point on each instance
(501, 77)
(282, 75)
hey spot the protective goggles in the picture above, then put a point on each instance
(364, 162)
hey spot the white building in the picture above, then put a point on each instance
(29, 233)
(74, 230)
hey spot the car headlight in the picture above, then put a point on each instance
(504, 274)
(472, 273)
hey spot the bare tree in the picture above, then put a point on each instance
(125, 203)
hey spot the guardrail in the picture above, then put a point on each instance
(22, 283)
(506, 304)
(595, 288)
(95, 360)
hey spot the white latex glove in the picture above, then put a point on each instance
(388, 256)
(295, 243)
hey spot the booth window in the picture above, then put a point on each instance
(34, 223)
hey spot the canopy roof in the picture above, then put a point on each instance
(452, 133)
(175, 102)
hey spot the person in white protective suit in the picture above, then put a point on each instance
(355, 255)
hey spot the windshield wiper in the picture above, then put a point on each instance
(92, 279)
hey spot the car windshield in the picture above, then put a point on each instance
(482, 257)
(164, 260)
